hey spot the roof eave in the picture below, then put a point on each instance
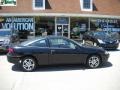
(61, 15)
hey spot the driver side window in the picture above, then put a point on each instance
(61, 43)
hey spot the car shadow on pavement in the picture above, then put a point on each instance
(17, 68)
(50, 68)
(106, 65)
(60, 68)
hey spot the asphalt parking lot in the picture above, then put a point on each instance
(70, 77)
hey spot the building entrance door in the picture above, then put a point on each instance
(63, 30)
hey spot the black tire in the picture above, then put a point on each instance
(28, 64)
(93, 61)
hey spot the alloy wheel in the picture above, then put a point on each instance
(28, 64)
(93, 61)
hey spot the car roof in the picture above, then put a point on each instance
(39, 38)
(46, 37)
(53, 36)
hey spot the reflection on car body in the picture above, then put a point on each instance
(51, 50)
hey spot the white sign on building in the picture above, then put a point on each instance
(17, 23)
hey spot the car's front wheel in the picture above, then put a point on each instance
(93, 61)
(28, 64)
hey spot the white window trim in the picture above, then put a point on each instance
(84, 9)
(39, 8)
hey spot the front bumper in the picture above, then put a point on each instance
(109, 46)
(105, 57)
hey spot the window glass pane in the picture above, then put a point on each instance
(72, 46)
(86, 4)
(38, 3)
(105, 24)
(62, 20)
(41, 43)
(44, 26)
(54, 42)
(78, 26)
(61, 43)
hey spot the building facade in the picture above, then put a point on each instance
(56, 17)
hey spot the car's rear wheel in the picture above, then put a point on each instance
(28, 64)
(93, 61)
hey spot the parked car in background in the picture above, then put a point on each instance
(5, 35)
(51, 50)
(8, 37)
(107, 40)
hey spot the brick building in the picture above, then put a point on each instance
(58, 17)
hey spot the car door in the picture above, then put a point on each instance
(63, 51)
(40, 51)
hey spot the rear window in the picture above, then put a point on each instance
(28, 42)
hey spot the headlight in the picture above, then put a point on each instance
(100, 41)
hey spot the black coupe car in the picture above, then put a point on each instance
(107, 40)
(51, 50)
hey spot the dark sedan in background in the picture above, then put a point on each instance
(51, 50)
(107, 40)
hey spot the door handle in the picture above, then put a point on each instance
(52, 51)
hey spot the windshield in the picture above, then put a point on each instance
(78, 43)
(105, 35)
(5, 33)
(100, 35)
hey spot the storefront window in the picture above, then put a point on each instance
(105, 24)
(96, 24)
(62, 26)
(44, 26)
(78, 27)
(24, 26)
(114, 25)
(62, 20)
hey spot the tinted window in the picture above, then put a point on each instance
(61, 43)
(38, 3)
(40, 43)
(26, 43)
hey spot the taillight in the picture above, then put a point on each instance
(10, 50)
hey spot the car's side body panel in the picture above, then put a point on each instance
(65, 56)
(40, 54)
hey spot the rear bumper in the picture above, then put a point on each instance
(13, 59)
(3, 49)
